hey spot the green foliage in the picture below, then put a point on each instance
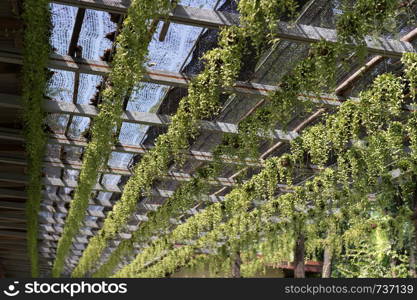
(127, 70)
(36, 17)
(316, 208)
(222, 66)
(355, 227)
(410, 62)
(364, 17)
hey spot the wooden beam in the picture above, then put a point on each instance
(7, 193)
(14, 254)
(9, 177)
(9, 242)
(162, 77)
(164, 31)
(12, 205)
(151, 119)
(176, 176)
(10, 25)
(12, 226)
(111, 6)
(194, 16)
(13, 177)
(299, 257)
(14, 216)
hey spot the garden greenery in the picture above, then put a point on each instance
(356, 136)
(36, 17)
(311, 138)
(222, 67)
(334, 208)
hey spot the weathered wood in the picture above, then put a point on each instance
(176, 176)
(13, 234)
(162, 77)
(13, 177)
(12, 217)
(164, 31)
(60, 139)
(111, 6)
(7, 193)
(150, 118)
(194, 16)
(76, 32)
(10, 177)
(12, 205)
(237, 262)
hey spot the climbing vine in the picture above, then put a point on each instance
(317, 207)
(222, 66)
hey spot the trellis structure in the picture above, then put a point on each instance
(54, 206)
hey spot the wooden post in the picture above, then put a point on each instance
(327, 262)
(237, 261)
(299, 252)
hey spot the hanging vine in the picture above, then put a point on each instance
(222, 67)
(127, 70)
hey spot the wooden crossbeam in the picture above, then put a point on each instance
(111, 6)
(161, 77)
(177, 176)
(15, 216)
(12, 226)
(194, 16)
(64, 183)
(18, 178)
(76, 32)
(60, 139)
(137, 117)
(151, 119)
